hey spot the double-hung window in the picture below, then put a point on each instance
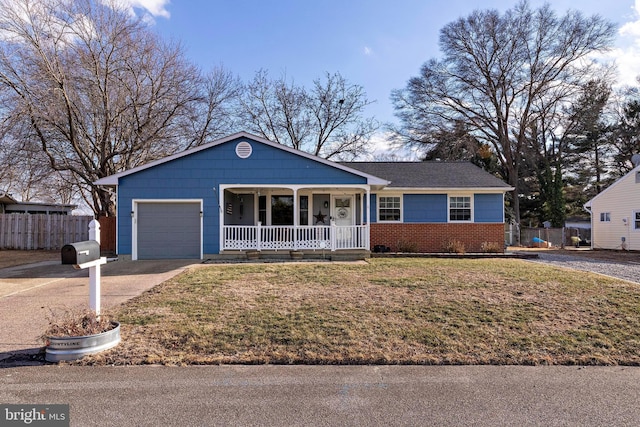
(389, 208)
(459, 208)
(636, 220)
(605, 216)
(281, 210)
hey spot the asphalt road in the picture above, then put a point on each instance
(332, 395)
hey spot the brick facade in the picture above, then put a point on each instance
(431, 237)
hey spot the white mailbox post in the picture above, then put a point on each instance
(94, 269)
(86, 254)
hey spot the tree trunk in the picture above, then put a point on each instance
(103, 203)
(513, 181)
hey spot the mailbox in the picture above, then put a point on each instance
(80, 252)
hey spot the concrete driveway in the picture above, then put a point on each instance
(29, 292)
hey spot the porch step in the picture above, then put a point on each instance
(355, 255)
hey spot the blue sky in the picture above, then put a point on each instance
(376, 44)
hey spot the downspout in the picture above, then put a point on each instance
(586, 208)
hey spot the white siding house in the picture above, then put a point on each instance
(615, 214)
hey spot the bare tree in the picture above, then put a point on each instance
(499, 74)
(627, 131)
(214, 116)
(326, 120)
(24, 169)
(98, 91)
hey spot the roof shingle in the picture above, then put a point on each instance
(430, 174)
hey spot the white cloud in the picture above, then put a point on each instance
(632, 28)
(382, 149)
(154, 8)
(368, 51)
(628, 64)
(627, 53)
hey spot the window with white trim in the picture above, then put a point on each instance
(636, 220)
(304, 210)
(460, 208)
(605, 216)
(281, 210)
(389, 208)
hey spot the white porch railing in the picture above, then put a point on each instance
(293, 237)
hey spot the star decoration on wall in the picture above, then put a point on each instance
(320, 217)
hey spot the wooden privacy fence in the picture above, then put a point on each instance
(26, 231)
(107, 235)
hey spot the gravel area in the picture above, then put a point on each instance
(624, 269)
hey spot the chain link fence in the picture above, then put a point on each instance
(548, 237)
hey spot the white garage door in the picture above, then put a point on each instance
(169, 230)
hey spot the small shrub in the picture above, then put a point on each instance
(491, 247)
(75, 323)
(453, 246)
(407, 247)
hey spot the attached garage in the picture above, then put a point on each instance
(169, 229)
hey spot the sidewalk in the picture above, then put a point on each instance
(29, 292)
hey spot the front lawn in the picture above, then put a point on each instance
(385, 311)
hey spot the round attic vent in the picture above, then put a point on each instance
(243, 150)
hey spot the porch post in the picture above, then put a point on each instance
(259, 236)
(368, 228)
(296, 219)
(219, 193)
(334, 238)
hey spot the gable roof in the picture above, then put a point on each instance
(632, 172)
(112, 180)
(6, 199)
(432, 175)
(10, 205)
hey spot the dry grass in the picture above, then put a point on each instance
(75, 323)
(391, 311)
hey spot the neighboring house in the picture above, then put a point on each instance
(245, 193)
(10, 205)
(615, 214)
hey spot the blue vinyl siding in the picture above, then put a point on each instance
(433, 208)
(197, 175)
(488, 208)
(374, 208)
(425, 207)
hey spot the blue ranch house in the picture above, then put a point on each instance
(245, 194)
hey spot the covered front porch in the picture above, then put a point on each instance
(294, 218)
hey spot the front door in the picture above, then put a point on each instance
(343, 214)
(343, 210)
